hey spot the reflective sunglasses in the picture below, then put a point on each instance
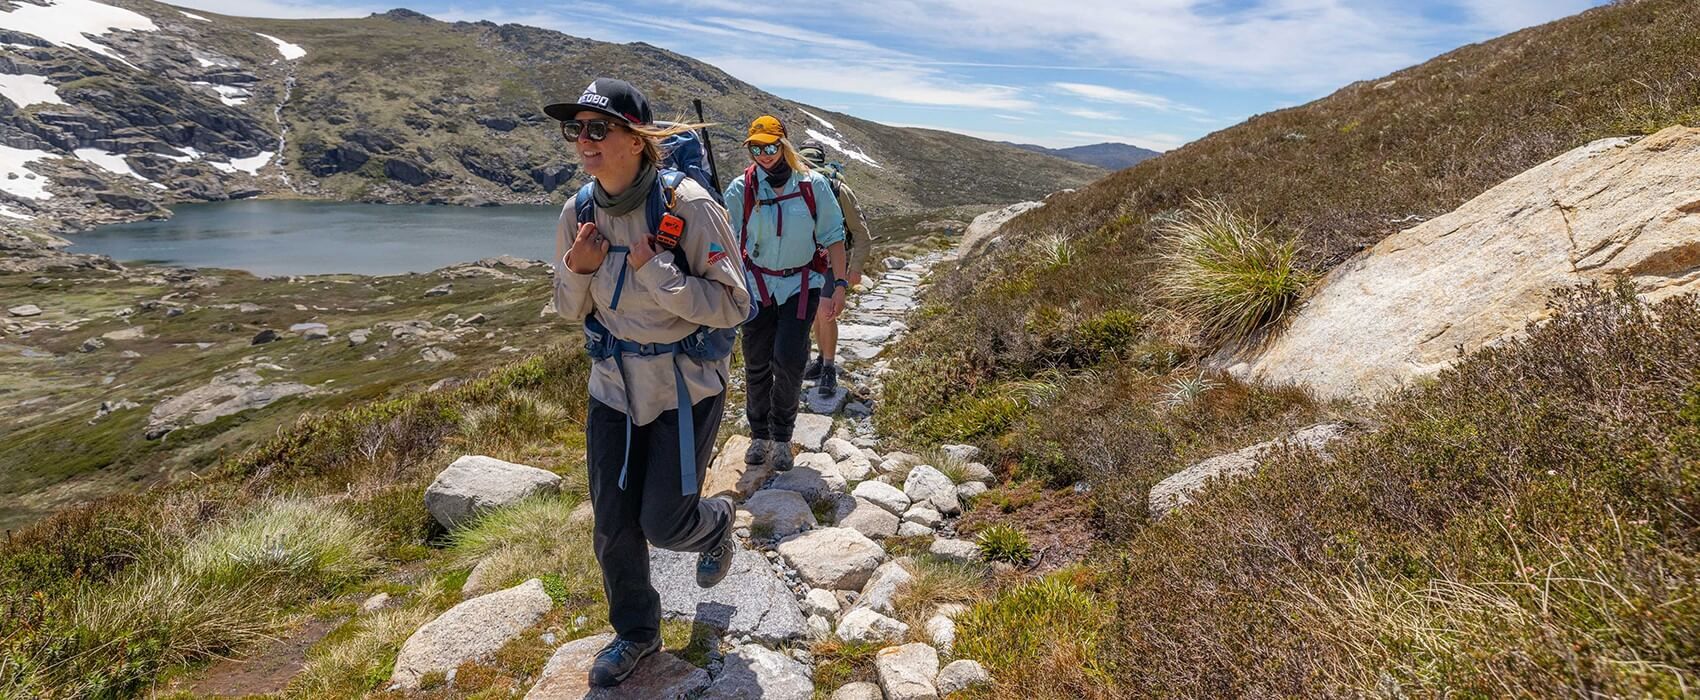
(596, 129)
(771, 149)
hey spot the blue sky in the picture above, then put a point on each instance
(1154, 73)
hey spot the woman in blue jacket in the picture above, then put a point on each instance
(792, 234)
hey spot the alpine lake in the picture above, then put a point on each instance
(282, 238)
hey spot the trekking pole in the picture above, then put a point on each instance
(713, 170)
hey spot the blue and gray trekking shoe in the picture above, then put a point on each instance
(714, 564)
(757, 452)
(617, 661)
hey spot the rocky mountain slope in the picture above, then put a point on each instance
(1109, 156)
(115, 111)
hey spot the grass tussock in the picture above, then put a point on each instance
(1040, 638)
(1523, 526)
(288, 539)
(1004, 543)
(360, 656)
(1230, 271)
(936, 582)
(539, 538)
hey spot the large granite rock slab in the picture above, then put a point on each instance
(751, 600)
(1616, 208)
(471, 630)
(752, 672)
(834, 558)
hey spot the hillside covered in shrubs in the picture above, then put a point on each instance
(1520, 526)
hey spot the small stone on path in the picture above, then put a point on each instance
(833, 558)
(865, 517)
(961, 675)
(883, 495)
(781, 512)
(907, 672)
(810, 431)
(931, 485)
(865, 625)
(860, 690)
(24, 310)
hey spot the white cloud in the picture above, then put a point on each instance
(1103, 93)
(1092, 114)
(908, 86)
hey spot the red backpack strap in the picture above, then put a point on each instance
(749, 203)
(807, 189)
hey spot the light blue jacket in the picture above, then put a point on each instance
(762, 240)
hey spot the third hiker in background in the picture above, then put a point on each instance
(792, 235)
(823, 369)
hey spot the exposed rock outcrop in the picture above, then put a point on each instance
(1404, 309)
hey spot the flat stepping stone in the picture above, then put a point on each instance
(834, 558)
(662, 676)
(780, 512)
(729, 474)
(811, 431)
(908, 672)
(751, 600)
(826, 405)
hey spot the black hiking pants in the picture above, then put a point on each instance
(650, 510)
(776, 346)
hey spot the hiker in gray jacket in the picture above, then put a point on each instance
(653, 305)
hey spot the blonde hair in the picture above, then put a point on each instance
(652, 136)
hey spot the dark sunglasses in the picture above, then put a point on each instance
(596, 129)
(771, 149)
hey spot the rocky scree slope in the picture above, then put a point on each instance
(148, 105)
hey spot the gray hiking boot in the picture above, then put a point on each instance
(781, 456)
(617, 661)
(757, 452)
(828, 379)
(714, 564)
(811, 371)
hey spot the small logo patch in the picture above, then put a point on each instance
(715, 253)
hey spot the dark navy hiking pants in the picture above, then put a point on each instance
(650, 510)
(776, 346)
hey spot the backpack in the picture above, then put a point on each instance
(705, 343)
(820, 263)
(684, 153)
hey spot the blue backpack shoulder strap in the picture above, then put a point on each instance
(584, 203)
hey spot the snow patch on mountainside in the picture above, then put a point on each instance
(192, 15)
(290, 51)
(25, 90)
(110, 162)
(250, 165)
(19, 181)
(73, 22)
(837, 145)
(817, 118)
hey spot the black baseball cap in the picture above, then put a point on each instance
(610, 96)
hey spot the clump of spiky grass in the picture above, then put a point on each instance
(287, 540)
(1042, 634)
(936, 582)
(536, 538)
(1004, 543)
(1231, 272)
(1184, 390)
